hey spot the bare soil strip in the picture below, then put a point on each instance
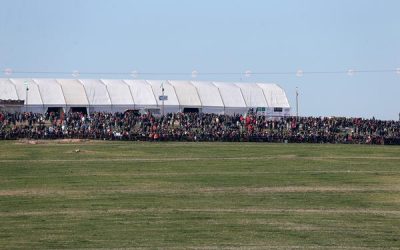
(299, 189)
(182, 190)
(244, 246)
(244, 173)
(56, 141)
(124, 159)
(83, 212)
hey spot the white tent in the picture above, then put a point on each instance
(142, 94)
(187, 94)
(51, 92)
(252, 95)
(97, 94)
(121, 95)
(210, 97)
(32, 97)
(8, 90)
(275, 95)
(74, 93)
(172, 103)
(232, 97)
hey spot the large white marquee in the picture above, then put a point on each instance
(112, 95)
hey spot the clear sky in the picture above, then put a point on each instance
(177, 36)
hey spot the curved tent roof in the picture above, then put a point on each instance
(7, 90)
(275, 95)
(142, 93)
(119, 92)
(97, 92)
(74, 92)
(208, 94)
(186, 93)
(34, 96)
(231, 95)
(252, 95)
(119, 95)
(51, 92)
(168, 91)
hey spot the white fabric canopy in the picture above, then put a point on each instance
(96, 92)
(142, 93)
(119, 95)
(186, 93)
(231, 95)
(253, 95)
(74, 92)
(275, 95)
(7, 90)
(168, 91)
(34, 97)
(119, 92)
(209, 94)
(51, 92)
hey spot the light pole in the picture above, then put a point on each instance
(26, 84)
(297, 102)
(162, 90)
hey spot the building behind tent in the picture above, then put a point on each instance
(111, 95)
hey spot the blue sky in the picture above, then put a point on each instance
(218, 36)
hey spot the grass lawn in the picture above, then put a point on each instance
(198, 195)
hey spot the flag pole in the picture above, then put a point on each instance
(297, 102)
(162, 89)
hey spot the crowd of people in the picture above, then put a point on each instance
(197, 127)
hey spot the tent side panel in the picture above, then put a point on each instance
(275, 95)
(232, 111)
(209, 94)
(213, 110)
(7, 90)
(186, 93)
(74, 92)
(231, 95)
(97, 93)
(34, 97)
(51, 92)
(119, 91)
(142, 93)
(253, 95)
(168, 91)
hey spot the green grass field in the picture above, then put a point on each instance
(198, 195)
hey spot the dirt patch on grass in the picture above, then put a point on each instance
(41, 192)
(90, 212)
(181, 189)
(81, 151)
(123, 158)
(57, 141)
(297, 189)
(279, 224)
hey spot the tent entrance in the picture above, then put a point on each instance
(135, 112)
(82, 110)
(191, 110)
(56, 110)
